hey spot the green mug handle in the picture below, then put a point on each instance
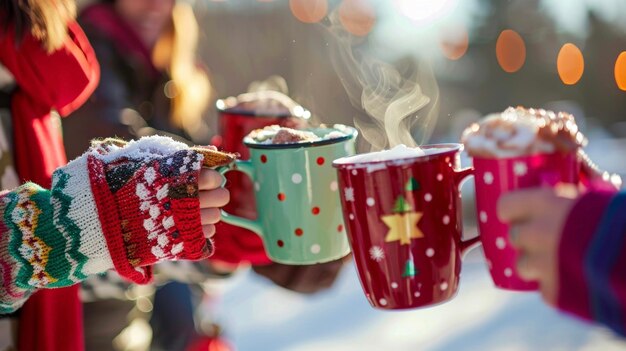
(252, 225)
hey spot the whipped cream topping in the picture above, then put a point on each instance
(275, 134)
(266, 102)
(519, 131)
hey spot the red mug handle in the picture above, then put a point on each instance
(217, 140)
(593, 178)
(590, 176)
(460, 176)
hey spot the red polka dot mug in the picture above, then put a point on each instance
(403, 219)
(296, 195)
(235, 122)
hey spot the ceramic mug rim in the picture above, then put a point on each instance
(527, 156)
(233, 110)
(352, 135)
(452, 148)
(252, 113)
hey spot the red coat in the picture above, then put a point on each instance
(52, 319)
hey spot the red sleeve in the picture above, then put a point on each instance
(235, 246)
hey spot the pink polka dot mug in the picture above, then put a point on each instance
(495, 176)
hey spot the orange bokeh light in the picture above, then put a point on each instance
(309, 11)
(570, 64)
(454, 43)
(620, 71)
(357, 16)
(510, 51)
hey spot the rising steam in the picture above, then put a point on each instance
(401, 101)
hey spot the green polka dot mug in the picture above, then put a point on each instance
(299, 212)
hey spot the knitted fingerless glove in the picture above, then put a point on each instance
(117, 206)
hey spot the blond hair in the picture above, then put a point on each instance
(189, 88)
(46, 20)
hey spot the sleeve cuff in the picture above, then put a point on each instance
(581, 224)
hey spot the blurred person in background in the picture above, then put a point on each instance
(51, 238)
(152, 84)
(151, 81)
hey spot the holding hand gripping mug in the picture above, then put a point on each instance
(299, 214)
(522, 148)
(402, 209)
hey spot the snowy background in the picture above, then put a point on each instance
(260, 317)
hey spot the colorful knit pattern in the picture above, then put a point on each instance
(114, 207)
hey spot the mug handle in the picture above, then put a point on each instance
(252, 225)
(593, 178)
(460, 176)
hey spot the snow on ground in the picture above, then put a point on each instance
(261, 317)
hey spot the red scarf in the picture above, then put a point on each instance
(51, 320)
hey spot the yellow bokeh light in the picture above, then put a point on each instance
(510, 51)
(620, 71)
(570, 64)
(309, 11)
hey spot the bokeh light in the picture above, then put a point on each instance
(620, 71)
(423, 11)
(454, 42)
(309, 11)
(570, 64)
(357, 16)
(510, 51)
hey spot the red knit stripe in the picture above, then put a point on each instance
(111, 226)
(128, 204)
(187, 218)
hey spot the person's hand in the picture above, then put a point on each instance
(536, 217)
(212, 197)
(166, 202)
(302, 279)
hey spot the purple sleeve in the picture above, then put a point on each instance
(592, 260)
